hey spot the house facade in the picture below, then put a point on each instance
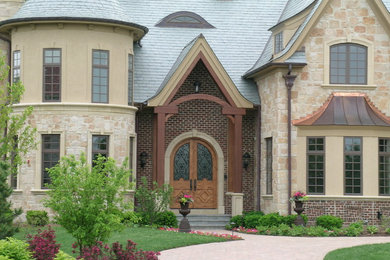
(239, 103)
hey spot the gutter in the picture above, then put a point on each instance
(252, 73)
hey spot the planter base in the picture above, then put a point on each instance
(184, 225)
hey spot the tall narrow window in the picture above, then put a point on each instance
(99, 146)
(52, 75)
(16, 67)
(348, 64)
(130, 80)
(278, 42)
(269, 165)
(315, 165)
(100, 65)
(353, 165)
(50, 155)
(384, 166)
(131, 157)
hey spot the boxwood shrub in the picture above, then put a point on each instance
(37, 217)
(329, 222)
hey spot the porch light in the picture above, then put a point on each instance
(142, 159)
(245, 160)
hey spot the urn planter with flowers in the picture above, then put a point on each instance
(299, 198)
(184, 202)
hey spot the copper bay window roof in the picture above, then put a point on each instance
(346, 109)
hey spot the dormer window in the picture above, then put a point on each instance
(185, 20)
(278, 42)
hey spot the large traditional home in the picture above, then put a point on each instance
(237, 102)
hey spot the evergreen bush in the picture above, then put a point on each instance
(329, 222)
(37, 217)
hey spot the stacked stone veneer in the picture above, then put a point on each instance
(9, 7)
(206, 117)
(344, 20)
(76, 124)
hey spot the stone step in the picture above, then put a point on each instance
(199, 222)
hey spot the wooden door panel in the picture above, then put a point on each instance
(195, 173)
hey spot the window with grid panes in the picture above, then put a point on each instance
(278, 41)
(348, 64)
(269, 159)
(99, 146)
(52, 75)
(384, 166)
(100, 66)
(315, 165)
(130, 80)
(131, 157)
(50, 155)
(353, 165)
(16, 67)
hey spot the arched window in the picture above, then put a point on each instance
(184, 19)
(348, 64)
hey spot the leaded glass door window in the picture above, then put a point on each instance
(193, 171)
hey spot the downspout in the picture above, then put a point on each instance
(258, 206)
(289, 81)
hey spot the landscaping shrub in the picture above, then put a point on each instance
(354, 229)
(272, 219)
(372, 229)
(37, 217)
(131, 218)
(316, 231)
(237, 221)
(387, 230)
(297, 231)
(15, 249)
(43, 245)
(150, 202)
(166, 219)
(4, 257)
(116, 251)
(88, 201)
(289, 219)
(63, 256)
(329, 222)
(252, 221)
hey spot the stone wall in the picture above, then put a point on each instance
(343, 20)
(9, 7)
(76, 124)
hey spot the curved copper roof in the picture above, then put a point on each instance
(348, 109)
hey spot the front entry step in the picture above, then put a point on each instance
(200, 222)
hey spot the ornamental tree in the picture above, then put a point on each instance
(16, 139)
(88, 202)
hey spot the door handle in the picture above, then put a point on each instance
(195, 184)
(190, 184)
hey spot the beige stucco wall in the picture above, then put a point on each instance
(77, 42)
(342, 20)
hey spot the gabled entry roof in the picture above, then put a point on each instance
(349, 109)
(198, 49)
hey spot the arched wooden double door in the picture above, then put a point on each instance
(194, 172)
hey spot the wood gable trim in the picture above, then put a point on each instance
(201, 51)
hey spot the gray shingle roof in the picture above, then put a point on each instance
(240, 34)
(97, 10)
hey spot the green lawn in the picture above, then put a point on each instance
(366, 252)
(146, 238)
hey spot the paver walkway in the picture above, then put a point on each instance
(256, 247)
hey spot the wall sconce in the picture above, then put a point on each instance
(379, 215)
(197, 85)
(142, 159)
(245, 160)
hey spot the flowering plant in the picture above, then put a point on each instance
(300, 196)
(186, 198)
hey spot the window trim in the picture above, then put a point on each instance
(97, 151)
(130, 91)
(323, 153)
(43, 74)
(108, 75)
(268, 165)
(42, 156)
(382, 154)
(16, 67)
(370, 64)
(278, 42)
(361, 165)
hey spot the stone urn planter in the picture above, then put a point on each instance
(299, 209)
(184, 225)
